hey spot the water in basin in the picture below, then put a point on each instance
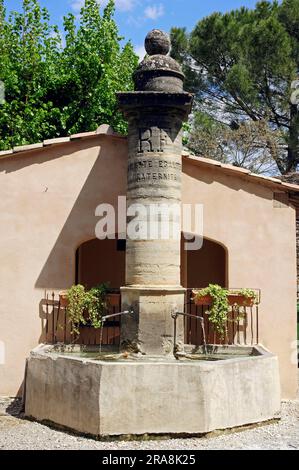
(127, 357)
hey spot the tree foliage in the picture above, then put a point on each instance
(59, 84)
(241, 66)
(246, 146)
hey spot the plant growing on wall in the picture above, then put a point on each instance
(85, 306)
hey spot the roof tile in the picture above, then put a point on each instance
(58, 140)
(25, 148)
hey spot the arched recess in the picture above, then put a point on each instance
(99, 261)
(199, 268)
(207, 265)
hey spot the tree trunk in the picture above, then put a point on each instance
(293, 142)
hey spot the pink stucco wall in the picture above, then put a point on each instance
(47, 204)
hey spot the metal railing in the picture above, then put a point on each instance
(56, 328)
(242, 324)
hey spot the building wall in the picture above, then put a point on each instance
(293, 178)
(47, 206)
(260, 239)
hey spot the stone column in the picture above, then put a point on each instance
(155, 112)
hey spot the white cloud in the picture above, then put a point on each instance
(125, 5)
(77, 5)
(154, 12)
(140, 51)
(122, 5)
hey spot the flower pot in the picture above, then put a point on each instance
(240, 300)
(63, 299)
(204, 300)
(233, 299)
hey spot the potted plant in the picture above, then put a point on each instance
(242, 297)
(219, 300)
(84, 307)
(95, 305)
(75, 303)
(216, 297)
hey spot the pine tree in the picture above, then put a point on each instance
(241, 65)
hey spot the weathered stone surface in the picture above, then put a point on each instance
(155, 113)
(155, 101)
(157, 42)
(150, 330)
(150, 396)
(158, 71)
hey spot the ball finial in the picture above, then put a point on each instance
(157, 42)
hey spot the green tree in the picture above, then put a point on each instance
(245, 146)
(243, 63)
(54, 88)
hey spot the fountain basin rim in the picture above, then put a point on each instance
(258, 352)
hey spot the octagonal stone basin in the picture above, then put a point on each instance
(110, 394)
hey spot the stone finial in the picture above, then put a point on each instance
(157, 42)
(158, 71)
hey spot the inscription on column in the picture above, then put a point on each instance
(152, 140)
(154, 170)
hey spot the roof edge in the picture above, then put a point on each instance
(103, 130)
(107, 131)
(242, 172)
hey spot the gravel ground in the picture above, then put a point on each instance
(20, 434)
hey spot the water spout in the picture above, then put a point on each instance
(202, 323)
(113, 315)
(126, 312)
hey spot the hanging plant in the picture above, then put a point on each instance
(76, 301)
(219, 299)
(84, 307)
(242, 297)
(218, 310)
(95, 305)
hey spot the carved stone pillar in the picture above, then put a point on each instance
(155, 112)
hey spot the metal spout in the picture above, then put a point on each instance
(126, 312)
(175, 315)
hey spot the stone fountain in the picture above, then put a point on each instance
(147, 389)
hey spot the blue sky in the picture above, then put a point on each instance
(136, 17)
